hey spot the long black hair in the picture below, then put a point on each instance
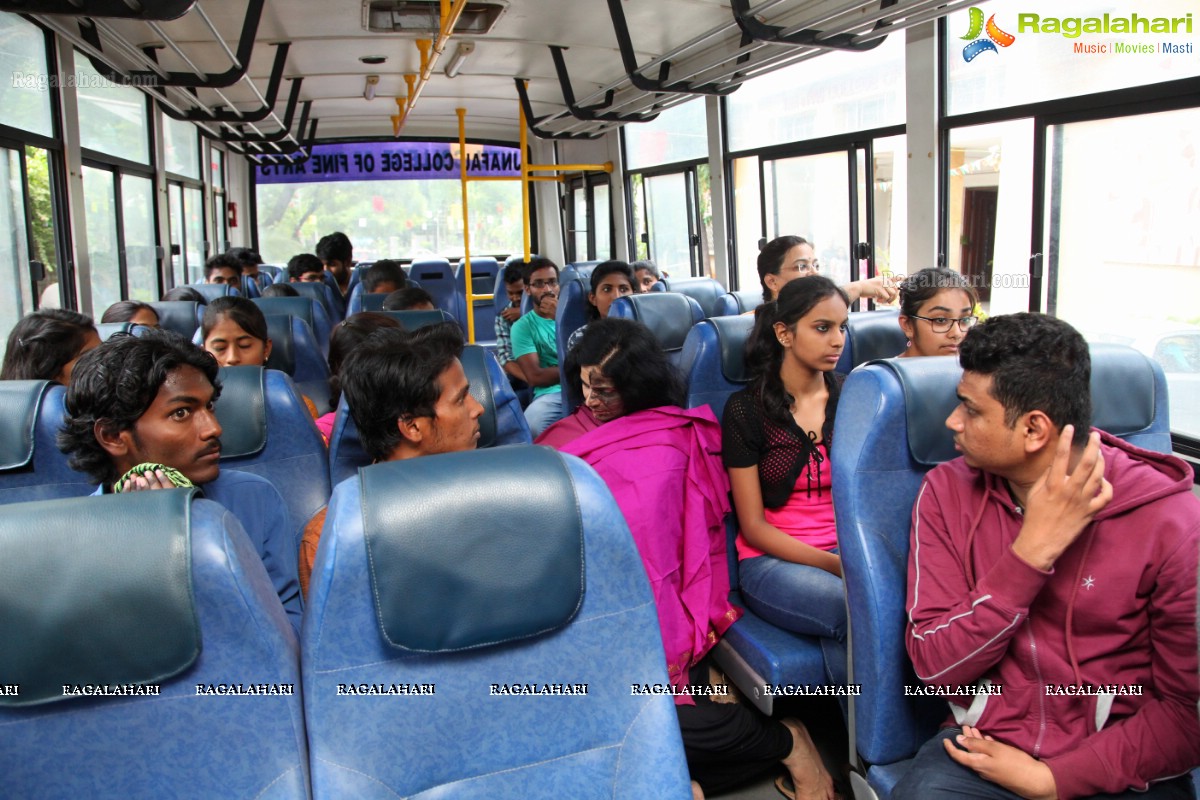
(627, 354)
(44, 342)
(764, 353)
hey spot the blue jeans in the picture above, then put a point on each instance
(802, 599)
(544, 411)
(935, 776)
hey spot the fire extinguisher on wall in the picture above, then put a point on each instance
(233, 215)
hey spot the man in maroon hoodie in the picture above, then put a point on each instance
(1052, 582)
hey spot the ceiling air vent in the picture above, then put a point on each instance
(422, 16)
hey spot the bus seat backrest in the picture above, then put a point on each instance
(437, 278)
(304, 308)
(109, 329)
(668, 315)
(212, 291)
(739, 302)
(335, 295)
(714, 361)
(871, 335)
(250, 287)
(484, 270)
(891, 431)
(31, 465)
(181, 316)
(411, 320)
(356, 275)
(354, 300)
(705, 291)
(187, 604)
(1129, 397)
(882, 450)
(323, 295)
(267, 430)
(501, 423)
(582, 269)
(597, 626)
(294, 350)
(572, 313)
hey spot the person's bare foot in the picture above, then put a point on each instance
(697, 792)
(809, 776)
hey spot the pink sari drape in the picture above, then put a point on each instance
(664, 468)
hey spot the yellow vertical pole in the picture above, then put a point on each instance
(469, 285)
(524, 177)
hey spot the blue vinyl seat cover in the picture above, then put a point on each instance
(31, 465)
(175, 613)
(625, 746)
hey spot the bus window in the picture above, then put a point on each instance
(1123, 242)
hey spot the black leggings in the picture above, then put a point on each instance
(728, 744)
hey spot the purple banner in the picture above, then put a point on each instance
(392, 161)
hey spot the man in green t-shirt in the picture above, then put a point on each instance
(535, 345)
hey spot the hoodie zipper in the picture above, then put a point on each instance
(1037, 667)
(1041, 690)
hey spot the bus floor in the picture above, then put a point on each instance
(823, 718)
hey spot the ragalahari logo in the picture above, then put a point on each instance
(995, 36)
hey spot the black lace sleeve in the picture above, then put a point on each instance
(741, 431)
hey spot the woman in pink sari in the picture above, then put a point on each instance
(662, 463)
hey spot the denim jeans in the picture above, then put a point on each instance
(935, 776)
(802, 599)
(544, 411)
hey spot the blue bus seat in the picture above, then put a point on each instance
(884, 446)
(360, 301)
(267, 430)
(714, 361)
(500, 603)
(325, 296)
(752, 652)
(705, 291)
(186, 603)
(354, 300)
(31, 465)
(502, 421)
(411, 320)
(251, 287)
(212, 291)
(181, 316)
(109, 329)
(305, 308)
(738, 302)
(871, 335)
(275, 272)
(572, 313)
(668, 315)
(437, 277)
(335, 294)
(294, 350)
(356, 276)
(582, 269)
(484, 274)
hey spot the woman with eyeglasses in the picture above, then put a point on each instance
(937, 308)
(787, 258)
(663, 465)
